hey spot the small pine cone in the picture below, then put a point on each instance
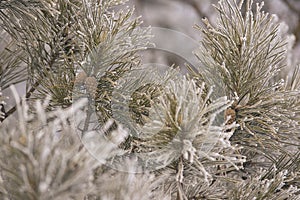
(23, 140)
(230, 112)
(91, 86)
(80, 78)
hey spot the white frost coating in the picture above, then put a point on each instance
(43, 187)
(188, 150)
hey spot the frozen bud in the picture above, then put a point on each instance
(91, 86)
(22, 140)
(80, 78)
(230, 115)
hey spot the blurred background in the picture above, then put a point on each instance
(182, 15)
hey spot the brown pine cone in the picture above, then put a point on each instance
(80, 78)
(230, 112)
(91, 86)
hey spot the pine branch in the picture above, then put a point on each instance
(45, 160)
(242, 54)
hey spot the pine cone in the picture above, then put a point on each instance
(80, 78)
(91, 86)
(230, 112)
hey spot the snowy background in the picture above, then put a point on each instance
(182, 15)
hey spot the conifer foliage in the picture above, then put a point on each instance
(97, 124)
